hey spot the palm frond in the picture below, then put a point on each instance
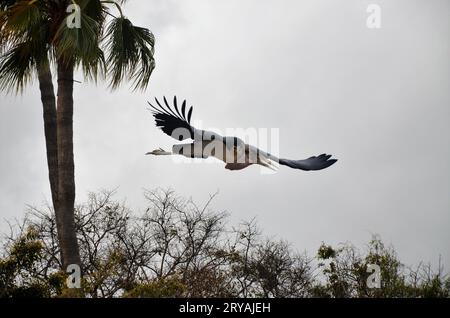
(5, 4)
(94, 67)
(21, 16)
(131, 51)
(94, 9)
(24, 21)
(81, 45)
(17, 67)
(33, 31)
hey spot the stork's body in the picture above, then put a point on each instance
(233, 151)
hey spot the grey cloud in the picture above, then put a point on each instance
(376, 99)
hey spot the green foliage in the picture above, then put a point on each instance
(17, 270)
(346, 274)
(326, 252)
(130, 52)
(178, 249)
(170, 287)
(33, 33)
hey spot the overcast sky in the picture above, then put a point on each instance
(377, 99)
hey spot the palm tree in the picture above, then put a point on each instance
(36, 39)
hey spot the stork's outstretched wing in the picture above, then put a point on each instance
(174, 123)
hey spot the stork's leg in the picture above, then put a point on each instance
(266, 162)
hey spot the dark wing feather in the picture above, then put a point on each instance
(183, 107)
(173, 123)
(189, 115)
(176, 106)
(168, 107)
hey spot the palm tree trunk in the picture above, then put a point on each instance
(66, 170)
(49, 110)
(50, 130)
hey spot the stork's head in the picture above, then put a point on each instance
(159, 152)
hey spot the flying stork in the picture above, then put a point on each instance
(233, 151)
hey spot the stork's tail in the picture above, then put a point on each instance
(313, 163)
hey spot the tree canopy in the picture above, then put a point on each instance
(177, 248)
